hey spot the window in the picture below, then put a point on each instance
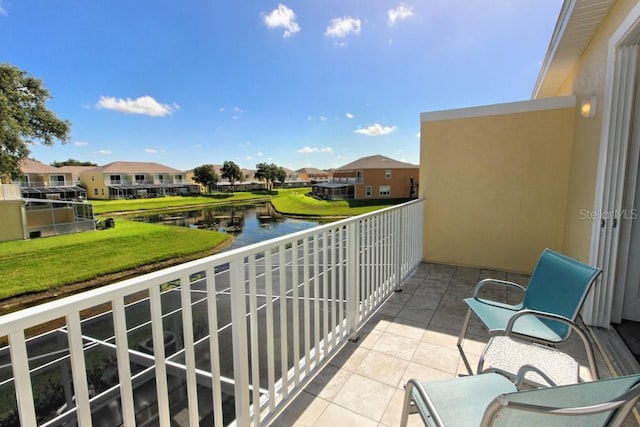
(93, 178)
(56, 180)
(385, 190)
(387, 174)
(114, 179)
(358, 176)
(95, 191)
(367, 191)
(161, 179)
(139, 179)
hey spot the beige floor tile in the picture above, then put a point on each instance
(418, 315)
(328, 382)
(349, 357)
(382, 367)
(396, 346)
(434, 356)
(393, 413)
(303, 411)
(424, 373)
(364, 396)
(335, 416)
(406, 328)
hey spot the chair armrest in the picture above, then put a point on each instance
(583, 336)
(505, 283)
(530, 368)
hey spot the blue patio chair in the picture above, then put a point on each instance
(491, 399)
(549, 307)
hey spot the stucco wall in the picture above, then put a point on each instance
(93, 182)
(400, 183)
(496, 185)
(11, 225)
(588, 79)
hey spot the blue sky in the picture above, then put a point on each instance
(300, 83)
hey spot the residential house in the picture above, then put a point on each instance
(313, 175)
(559, 171)
(372, 177)
(40, 181)
(128, 180)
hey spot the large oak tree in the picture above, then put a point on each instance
(24, 119)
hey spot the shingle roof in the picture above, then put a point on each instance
(376, 162)
(33, 166)
(134, 167)
(312, 171)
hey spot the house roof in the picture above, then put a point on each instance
(33, 166)
(134, 167)
(577, 23)
(376, 162)
(312, 171)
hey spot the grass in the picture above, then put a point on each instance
(298, 203)
(102, 207)
(28, 266)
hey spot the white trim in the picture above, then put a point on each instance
(498, 109)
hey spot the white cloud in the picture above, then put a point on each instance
(104, 152)
(342, 27)
(307, 149)
(376, 129)
(150, 150)
(399, 13)
(283, 17)
(259, 154)
(145, 105)
(349, 116)
(80, 143)
(221, 109)
(3, 11)
(323, 118)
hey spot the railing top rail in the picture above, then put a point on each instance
(32, 316)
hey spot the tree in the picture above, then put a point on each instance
(231, 171)
(72, 162)
(270, 173)
(24, 119)
(205, 175)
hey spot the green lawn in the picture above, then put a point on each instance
(101, 207)
(298, 203)
(40, 264)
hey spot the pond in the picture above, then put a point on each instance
(248, 224)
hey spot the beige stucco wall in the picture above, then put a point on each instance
(399, 183)
(95, 185)
(13, 223)
(588, 79)
(496, 187)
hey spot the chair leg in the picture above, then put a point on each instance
(463, 333)
(408, 388)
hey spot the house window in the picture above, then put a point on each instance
(387, 174)
(385, 190)
(161, 179)
(93, 178)
(95, 191)
(56, 180)
(114, 179)
(139, 179)
(178, 178)
(367, 191)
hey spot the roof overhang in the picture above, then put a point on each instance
(577, 23)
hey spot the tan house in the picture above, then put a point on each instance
(128, 180)
(40, 181)
(372, 177)
(312, 175)
(502, 182)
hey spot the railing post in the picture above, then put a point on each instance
(240, 346)
(399, 214)
(353, 283)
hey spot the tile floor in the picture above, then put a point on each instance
(413, 334)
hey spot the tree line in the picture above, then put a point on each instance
(267, 172)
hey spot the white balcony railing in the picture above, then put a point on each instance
(226, 339)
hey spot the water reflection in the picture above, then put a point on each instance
(247, 223)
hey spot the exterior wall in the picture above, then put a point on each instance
(400, 183)
(13, 224)
(496, 183)
(93, 182)
(46, 217)
(588, 79)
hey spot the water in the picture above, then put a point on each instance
(248, 224)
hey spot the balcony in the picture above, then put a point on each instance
(296, 341)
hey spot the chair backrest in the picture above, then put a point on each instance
(538, 407)
(559, 285)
